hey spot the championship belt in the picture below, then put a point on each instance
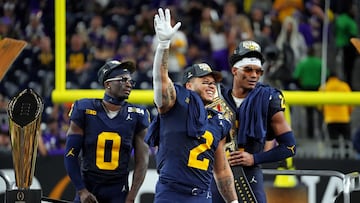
(24, 112)
(242, 185)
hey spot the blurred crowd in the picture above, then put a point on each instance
(289, 32)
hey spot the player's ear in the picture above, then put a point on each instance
(188, 85)
(234, 70)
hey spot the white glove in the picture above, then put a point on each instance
(163, 28)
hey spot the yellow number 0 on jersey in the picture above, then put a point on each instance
(115, 151)
(195, 152)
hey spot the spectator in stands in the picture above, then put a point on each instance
(35, 28)
(337, 117)
(307, 75)
(60, 112)
(285, 8)
(290, 36)
(77, 63)
(127, 49)
(237, 26)
(261, 26)
(292, 46)
(264, 5)
(5, 28)
(219, 50)
(229, 18)
(9, 24)
(205, 26)
(95, 31)
(345, 28)
(43, 56)
(109, 44)
(212, 38)
(5, 144)
(144, 21)
(43, 65)
(315, 16)
(195, 54)
(271, 66)
(53, 138)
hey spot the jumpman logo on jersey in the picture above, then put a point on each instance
(128, 118)
(208, 195)
(292, 149)
(71, 152)
(253, 180)
(123, 189)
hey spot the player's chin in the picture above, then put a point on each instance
(126, 93)
(208, 99)
(251, 85)
(124, 96)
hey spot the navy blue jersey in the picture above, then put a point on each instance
(185, 159)
(254, 145)
(276, 104)
(108, 142)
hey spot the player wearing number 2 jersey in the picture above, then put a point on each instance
(104, 132)
(190, 139)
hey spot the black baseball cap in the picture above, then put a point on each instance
(246, 49)
(200, 70)
(110, 66)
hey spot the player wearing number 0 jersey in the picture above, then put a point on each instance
(104, 132)
(189, 138)
(107, 142)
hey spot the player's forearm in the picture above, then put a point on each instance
(223, 176)
(226, 187)
(138, 179)
(140, 169)
(164, 90)
(71, 162)
(286, 148)
(168, 90)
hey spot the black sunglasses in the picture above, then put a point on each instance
(248, 69)
(122, 80)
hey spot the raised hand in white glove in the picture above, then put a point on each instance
(163, 28)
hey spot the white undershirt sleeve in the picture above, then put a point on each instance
(157, 79)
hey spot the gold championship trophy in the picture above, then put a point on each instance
(24, 112)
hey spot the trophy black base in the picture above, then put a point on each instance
(23, 196)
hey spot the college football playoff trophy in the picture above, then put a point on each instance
(24, 112)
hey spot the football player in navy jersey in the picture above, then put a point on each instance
(190, 138)
(104, 132)
(259, 116)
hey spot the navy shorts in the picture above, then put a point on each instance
(177, 193)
